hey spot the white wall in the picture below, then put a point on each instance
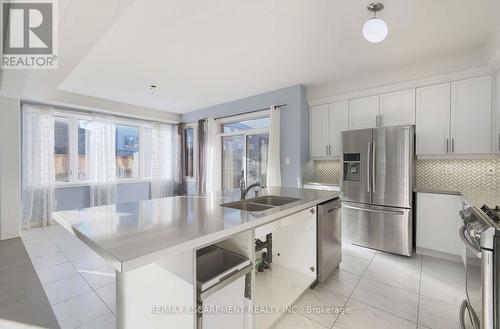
(10, 168)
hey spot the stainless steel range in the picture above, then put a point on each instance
(481, 235)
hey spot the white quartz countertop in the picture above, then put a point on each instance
(474, 197)
(134, 234)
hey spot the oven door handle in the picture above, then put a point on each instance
(463, 236)
(474, 318)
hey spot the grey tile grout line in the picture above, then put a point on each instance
(363, 276)
(420, 288)
(99, 317)
(91, 287)
(78, 273)
(352, 292)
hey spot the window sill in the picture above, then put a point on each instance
(118, 182)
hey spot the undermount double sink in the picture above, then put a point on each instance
(260, 203)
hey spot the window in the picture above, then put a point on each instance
(146, 148)
(245, 146)
(83, 135)
(133, 144)
(232, 161)
(257, 146)
(127, 151)
(61, 149)
(189, 151)
(257, 123)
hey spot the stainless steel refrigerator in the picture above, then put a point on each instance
(377, 184)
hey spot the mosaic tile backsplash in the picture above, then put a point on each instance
(458, 174)
(433, 174)
(327, 171)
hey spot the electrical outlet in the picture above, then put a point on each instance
(287, 160)
(448, 170)
(490, 170)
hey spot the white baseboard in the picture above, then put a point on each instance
(439, 254)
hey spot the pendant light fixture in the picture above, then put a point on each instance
(375, 30)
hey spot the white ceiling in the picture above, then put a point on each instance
(202, 53)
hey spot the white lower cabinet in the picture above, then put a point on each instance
(438, 222)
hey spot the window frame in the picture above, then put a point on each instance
(244, 133)
(74, 117)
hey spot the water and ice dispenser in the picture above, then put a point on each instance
(352, 167)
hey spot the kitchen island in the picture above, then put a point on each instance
(152, 245)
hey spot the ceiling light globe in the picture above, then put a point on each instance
(375, 30)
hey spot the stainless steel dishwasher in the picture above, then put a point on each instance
(329, 238)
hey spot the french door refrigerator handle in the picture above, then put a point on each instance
(368, 179)
(373, 166)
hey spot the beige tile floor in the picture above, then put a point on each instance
(376, 289)
(79, 284)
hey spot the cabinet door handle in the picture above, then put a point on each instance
(447, 145)
(326, 149)
(499, 142)
(453, 145)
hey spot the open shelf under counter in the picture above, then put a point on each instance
(279, 288)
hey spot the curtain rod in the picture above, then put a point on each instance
(100, 111)
(253, 111)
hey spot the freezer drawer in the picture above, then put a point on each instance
(383, 228)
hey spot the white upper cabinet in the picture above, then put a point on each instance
(397, 109)
(327, 123)
(452, 118)
(455, 118)
(320, 139)
(339, 122)
(471, 116)
(363, 112)
(433, 119)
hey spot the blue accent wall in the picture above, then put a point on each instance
(294, 135)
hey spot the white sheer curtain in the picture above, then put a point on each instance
(162, 161)
(38, 165)
(213, 168)
(101, 161)
(273, 159)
